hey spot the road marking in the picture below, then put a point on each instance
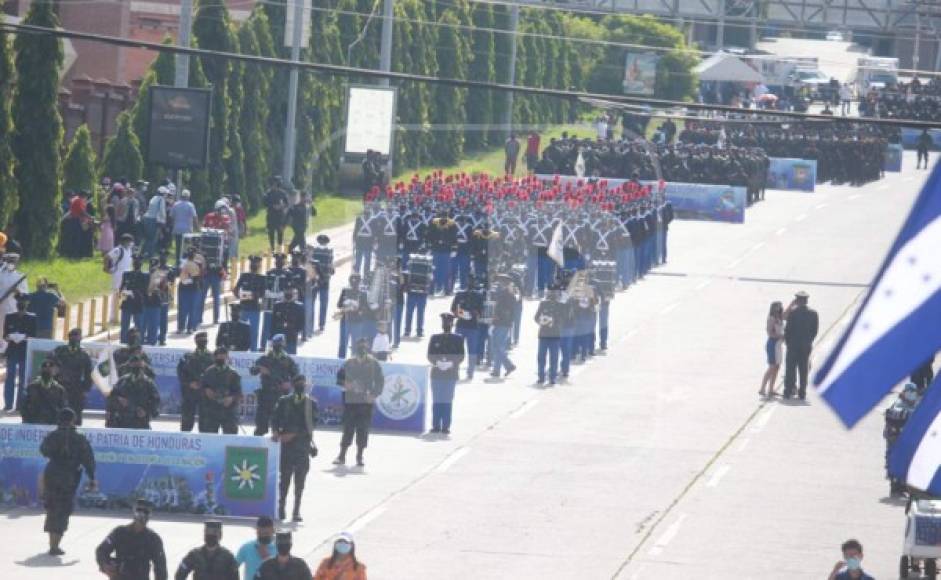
(369, 516)
(718, 475)
(781, 232)
(669, 308)
(636, 575)
(762, 420)
(854, 196)
(522, 410)
(667, 536)
(756, 247)
(734, 263)
(741, 446)
(821, 205)
(801, 217)
(452, 459)
(703, 284)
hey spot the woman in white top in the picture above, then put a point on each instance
(774, 327)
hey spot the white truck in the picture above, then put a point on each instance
(876, 72)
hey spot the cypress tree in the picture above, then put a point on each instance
(8, 199)
(122, 156)
(450, 112)
(325, 46)
(235, 159)
(253, 114)
(211, 30)
(502, 43)
(480, 105)
(79, 169)
(37, 138)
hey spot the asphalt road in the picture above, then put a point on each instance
(656, 461)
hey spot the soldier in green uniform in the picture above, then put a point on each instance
(277, 369)
(127, 367)
(45, 397)
(134, 547)
(75, 366)
(190, 370)
(210, 561)
(292, 424)
(134, 346)
(221, 396)
(134, 400)
(284, 566)
(69, 453)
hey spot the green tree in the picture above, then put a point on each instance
(79, 168)
(211, 30)
(235, 158)
(254, 111)
(450, 112)
(502, 47)
(37, 138)
(122, 156)
(161, 72)
(8, 200)
(480, 101)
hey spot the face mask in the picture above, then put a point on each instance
(343, 548)
(75, 342)
(220, 362)
(284, 549)
(265, 539)
(46, 374)
(141, 518)
(277, 347)
(361, 351)
(299, 390)
(201, 345)
(211, 540)
(853, 564)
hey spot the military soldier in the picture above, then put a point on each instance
(288, 320)
(68, 453)
(292, 424)
(133, 292)
(134, 400)
(210, 561)
(44, 396)
(325, 271)
(276, 369)
(221, 396)
(362, 382)
(17, 327)
(189, 371)
(235, 335)
(363, 240)
(75, 367)
(551, 317)
(284, 566)
(441, 239)
(467, 307)
(122, 355)
(129, 550)
(280, 273)
(445, 353)
(127, 367)
(301, 284)
(352, 305)
(250, 289)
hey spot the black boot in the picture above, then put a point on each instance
(359, 457)
(341, 458)
(298, 493)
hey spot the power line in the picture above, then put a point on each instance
(461, 83)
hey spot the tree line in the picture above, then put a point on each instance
(437, 124)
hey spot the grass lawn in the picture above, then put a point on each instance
(77, 279)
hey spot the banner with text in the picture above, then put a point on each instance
(793, 174)
(183, 473)
(402, 406)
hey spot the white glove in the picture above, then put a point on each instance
(444, 365)
(17, 337)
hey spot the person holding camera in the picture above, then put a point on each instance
(292, 424)
(45, 303)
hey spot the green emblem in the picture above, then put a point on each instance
(246, 470)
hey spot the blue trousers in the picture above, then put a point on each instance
(442, 271)
(471, 344)
(344, 338)
(441, 416)
(627, 273)
(322, 293)
(126, 319)
(363, 259)
(253, 318)
(483, 342)
(212, 282)
(548, 346)
(532, 267)
(460, 269)
(517, 322)
(604, 312)
(415, 301)
(350, 332)
(499, 343)
(186, 308)
(150, 320)
(546, 272)
(150, 236)
(663, 245)
(567, 344)
(164, 323)
(266, 327)
(639, 260)
(16, 372)
(397, 324)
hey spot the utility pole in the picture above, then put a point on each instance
(514, 25)
(917, 50)
(720, 26)
(290, 139)
(182, 71)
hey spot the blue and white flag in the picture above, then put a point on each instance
(899, 325)
(915, 458)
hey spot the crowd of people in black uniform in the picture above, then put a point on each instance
(916, 100)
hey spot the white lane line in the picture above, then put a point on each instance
(854, 196)
(762, 421)
(522, 410)
(452, 459)
(781, 232)
(741, 446)
(369, 516)
(756, 247)
(734, 263)
(801, 217)
(821, 205)
(718, 475)
(669, 308)
(667, 536)
(703, 284)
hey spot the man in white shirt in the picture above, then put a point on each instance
(184, 218)
(120, 259)
(12, 283)
(154, 220)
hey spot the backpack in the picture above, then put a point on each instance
(109, 266)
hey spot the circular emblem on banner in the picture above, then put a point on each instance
(400, 397)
